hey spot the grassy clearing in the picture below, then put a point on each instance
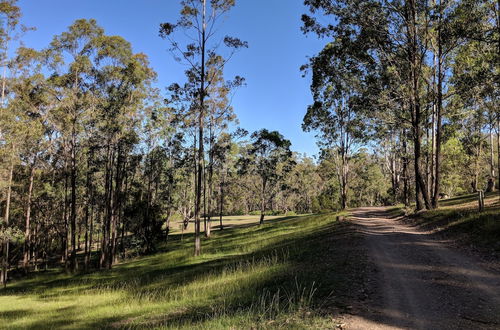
(460, 219)
(290, 272)
(231, 221)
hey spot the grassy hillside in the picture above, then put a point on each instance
(289, 272)
(459, 218)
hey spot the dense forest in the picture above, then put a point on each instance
(97, 159)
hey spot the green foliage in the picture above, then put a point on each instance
(410, 76)
(315, 205)
(11, 234)
(368, 182)
(266, 152)
(328, 200)
(456, 180)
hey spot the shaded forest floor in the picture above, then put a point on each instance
(290, 272)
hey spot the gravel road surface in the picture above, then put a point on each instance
(420, 282)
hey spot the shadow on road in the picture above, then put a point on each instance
(419, 282)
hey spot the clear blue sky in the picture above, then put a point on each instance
(276, 95)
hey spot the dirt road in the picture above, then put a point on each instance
(420, 282)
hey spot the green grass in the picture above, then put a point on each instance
(459, 218)
(290, 272)
(396, 211)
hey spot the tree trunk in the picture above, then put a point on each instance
(433, 146)
(122, 240)
(429, 154)
(91, 235)
(421, 194)
(65, 216)
(106, 228)
(422, 198)
(45, 255)
(86, 247)
(406, 185)
(344, 180)
(90, 201)
(210, 184)
(439, 115)
(111, 215)
(120, 161)
(477, 167)
(205, 224)
(491, 179)
(5, 263)
(122, 207)
(73, 262)
(35, 246)
(262, 201)
(197, 239)
(221, 206)
(167, 224)
(27, 233)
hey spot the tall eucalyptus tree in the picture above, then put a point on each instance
(199, 21)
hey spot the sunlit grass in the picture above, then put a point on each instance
(266, 276)
(229, 221)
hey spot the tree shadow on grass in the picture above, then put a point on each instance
(11, 315)
(59, 319)
(311, 263)
(143, 269)
(306, 258)
(464, 224)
